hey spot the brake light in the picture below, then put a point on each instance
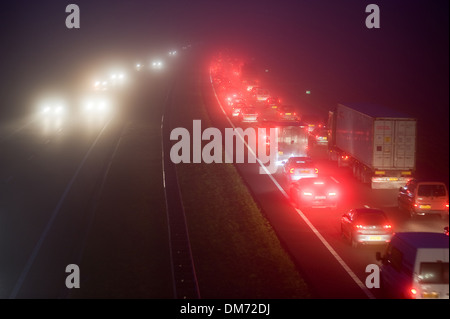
(387, 226)
(359, 226)
(413, 292)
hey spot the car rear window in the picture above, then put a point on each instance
(431, 190)
(371, 219)
(303, 163)
(434, 273)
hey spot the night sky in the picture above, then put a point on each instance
(325, 44)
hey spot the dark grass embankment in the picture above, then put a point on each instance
(236, 252)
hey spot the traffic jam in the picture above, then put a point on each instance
(325, 162)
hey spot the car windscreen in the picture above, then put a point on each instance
(433, 273)
(430, 190)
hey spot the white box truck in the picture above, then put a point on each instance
(379, 144)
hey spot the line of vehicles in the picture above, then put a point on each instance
(378, 145)
(98, 98)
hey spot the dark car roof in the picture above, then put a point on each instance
(424, 239)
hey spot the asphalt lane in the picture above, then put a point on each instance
(332, 268)
(87, 192)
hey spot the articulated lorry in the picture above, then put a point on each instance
(379, 144)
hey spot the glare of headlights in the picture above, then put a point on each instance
(89, 105)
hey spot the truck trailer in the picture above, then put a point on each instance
(377, 143)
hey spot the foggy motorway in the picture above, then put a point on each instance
(109, 190)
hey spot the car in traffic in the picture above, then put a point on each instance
(273, 102)
(249, 85)
(235, 99)
(298, 167)
(236, 109)
(53, 109)
(319, 136)
(260, 94)
(102, 85)
(249, 114)
(315, 192)
(157, 65)
(311, 121)
(96, 104)
(415, 265)
(366, 226)
(288, 113)
(424, 197)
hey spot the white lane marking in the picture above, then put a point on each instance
(300, 213)
(335, 180)
(55, 213)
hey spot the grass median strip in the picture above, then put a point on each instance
(236, 252)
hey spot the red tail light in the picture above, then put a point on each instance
(359, 226)
(413, 292)
(387, 226)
